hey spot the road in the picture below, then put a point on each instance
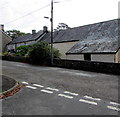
(58, 91)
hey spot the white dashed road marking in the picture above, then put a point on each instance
(31, 87)
(46, 91)
(67, 92)
(37, 85)
(114, 103)
(87, 101)
(66, 96)
(88, 97)
(25, 82)
(113, 108)
(53, 89)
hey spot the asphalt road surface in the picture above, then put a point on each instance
(58, 91)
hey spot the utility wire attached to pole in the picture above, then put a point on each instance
(27, 14)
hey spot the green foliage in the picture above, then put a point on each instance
(56, 53)
(15, 33)
(5, 54)
(40, 52)
(8, 54)
(23, 50)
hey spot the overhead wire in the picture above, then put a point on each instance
(35, 11)
(27, 14)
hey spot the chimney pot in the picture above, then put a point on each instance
(2, 27)
(33, 31)
(45, 29)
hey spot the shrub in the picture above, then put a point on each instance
(22, 50)
(8, 54)
(5, 54)
(40, 53)
(56, 53)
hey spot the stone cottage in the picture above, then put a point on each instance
(101, 43)
(93, 42)
(28, 39)
(4, 39)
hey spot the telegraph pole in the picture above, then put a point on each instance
(52, 55)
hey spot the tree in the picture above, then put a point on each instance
(15, 33)
(40, 53)
(62, 26)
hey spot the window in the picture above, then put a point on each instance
(87, 57)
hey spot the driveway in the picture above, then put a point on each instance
(58, 91)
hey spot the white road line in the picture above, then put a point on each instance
(31, 87)
(67, 92)
(37, 85)
(114, 103)
(66, 96)
(87, 101)
(25, 82)
(113, 108)
(88, 97)
(46, 91)
(53, 89)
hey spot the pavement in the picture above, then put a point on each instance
(9, 86)
(59, 91)
(7, 83)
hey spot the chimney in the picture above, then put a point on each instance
(2, 27)
(45, 29)
(33, 31)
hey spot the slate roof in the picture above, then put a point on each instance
(94, 38)
(6, 34)
(68, 35)
(28, 37)
(102, 38)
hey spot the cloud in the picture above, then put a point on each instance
(74, 13)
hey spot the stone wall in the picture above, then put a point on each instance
(102, 67)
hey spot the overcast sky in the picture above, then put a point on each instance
(72, 12)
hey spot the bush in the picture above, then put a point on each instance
(22, 50)
(56, 53)
(8, 54)
(40, 53)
